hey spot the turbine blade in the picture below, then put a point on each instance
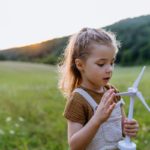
(124, 94)
(140, 96)
(136, 83)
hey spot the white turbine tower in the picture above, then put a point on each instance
(126, 144)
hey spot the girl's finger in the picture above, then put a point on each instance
(128, 126)
(107, 95)
(131, 130)
(131, 121)
(111, 107)
(110, 100)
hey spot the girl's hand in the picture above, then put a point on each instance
(106, 106)
(130, 128)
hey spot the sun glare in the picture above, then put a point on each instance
(33, 43)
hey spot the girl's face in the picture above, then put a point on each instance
(97, 69)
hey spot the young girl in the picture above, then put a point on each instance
(96, 120)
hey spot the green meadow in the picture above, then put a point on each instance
(31, 106)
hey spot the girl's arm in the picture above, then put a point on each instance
(80, 136)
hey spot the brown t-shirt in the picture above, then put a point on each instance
(77, 109)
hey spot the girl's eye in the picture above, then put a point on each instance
(112, 64)
(100, 65)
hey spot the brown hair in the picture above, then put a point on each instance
(78, 45)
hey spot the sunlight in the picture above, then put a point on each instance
(34, 43)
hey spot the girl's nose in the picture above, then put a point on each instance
(110, 68)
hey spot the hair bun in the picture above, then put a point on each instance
(84, 29)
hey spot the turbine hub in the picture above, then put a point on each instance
(132, 90)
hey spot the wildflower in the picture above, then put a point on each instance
(12, 132)
(8, 119)
(20, 119)
(1, 132)
(145, 141)
(17, 125)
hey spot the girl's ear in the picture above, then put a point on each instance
(79, 64)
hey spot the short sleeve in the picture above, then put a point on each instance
(76, 109)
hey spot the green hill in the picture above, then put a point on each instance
(134, 34)
(45, 52)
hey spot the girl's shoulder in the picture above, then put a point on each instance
(77, 109)
(77, 98)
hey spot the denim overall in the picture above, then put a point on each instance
(110, 132)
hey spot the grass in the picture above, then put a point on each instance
(29, 91)
(31, 106)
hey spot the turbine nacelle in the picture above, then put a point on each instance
(132, 91)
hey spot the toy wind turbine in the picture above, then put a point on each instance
(126, 144)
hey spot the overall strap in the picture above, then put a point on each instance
(121, 102)
(87, 97)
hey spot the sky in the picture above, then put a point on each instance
(24, 22)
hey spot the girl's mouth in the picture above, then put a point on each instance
(106, 79)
